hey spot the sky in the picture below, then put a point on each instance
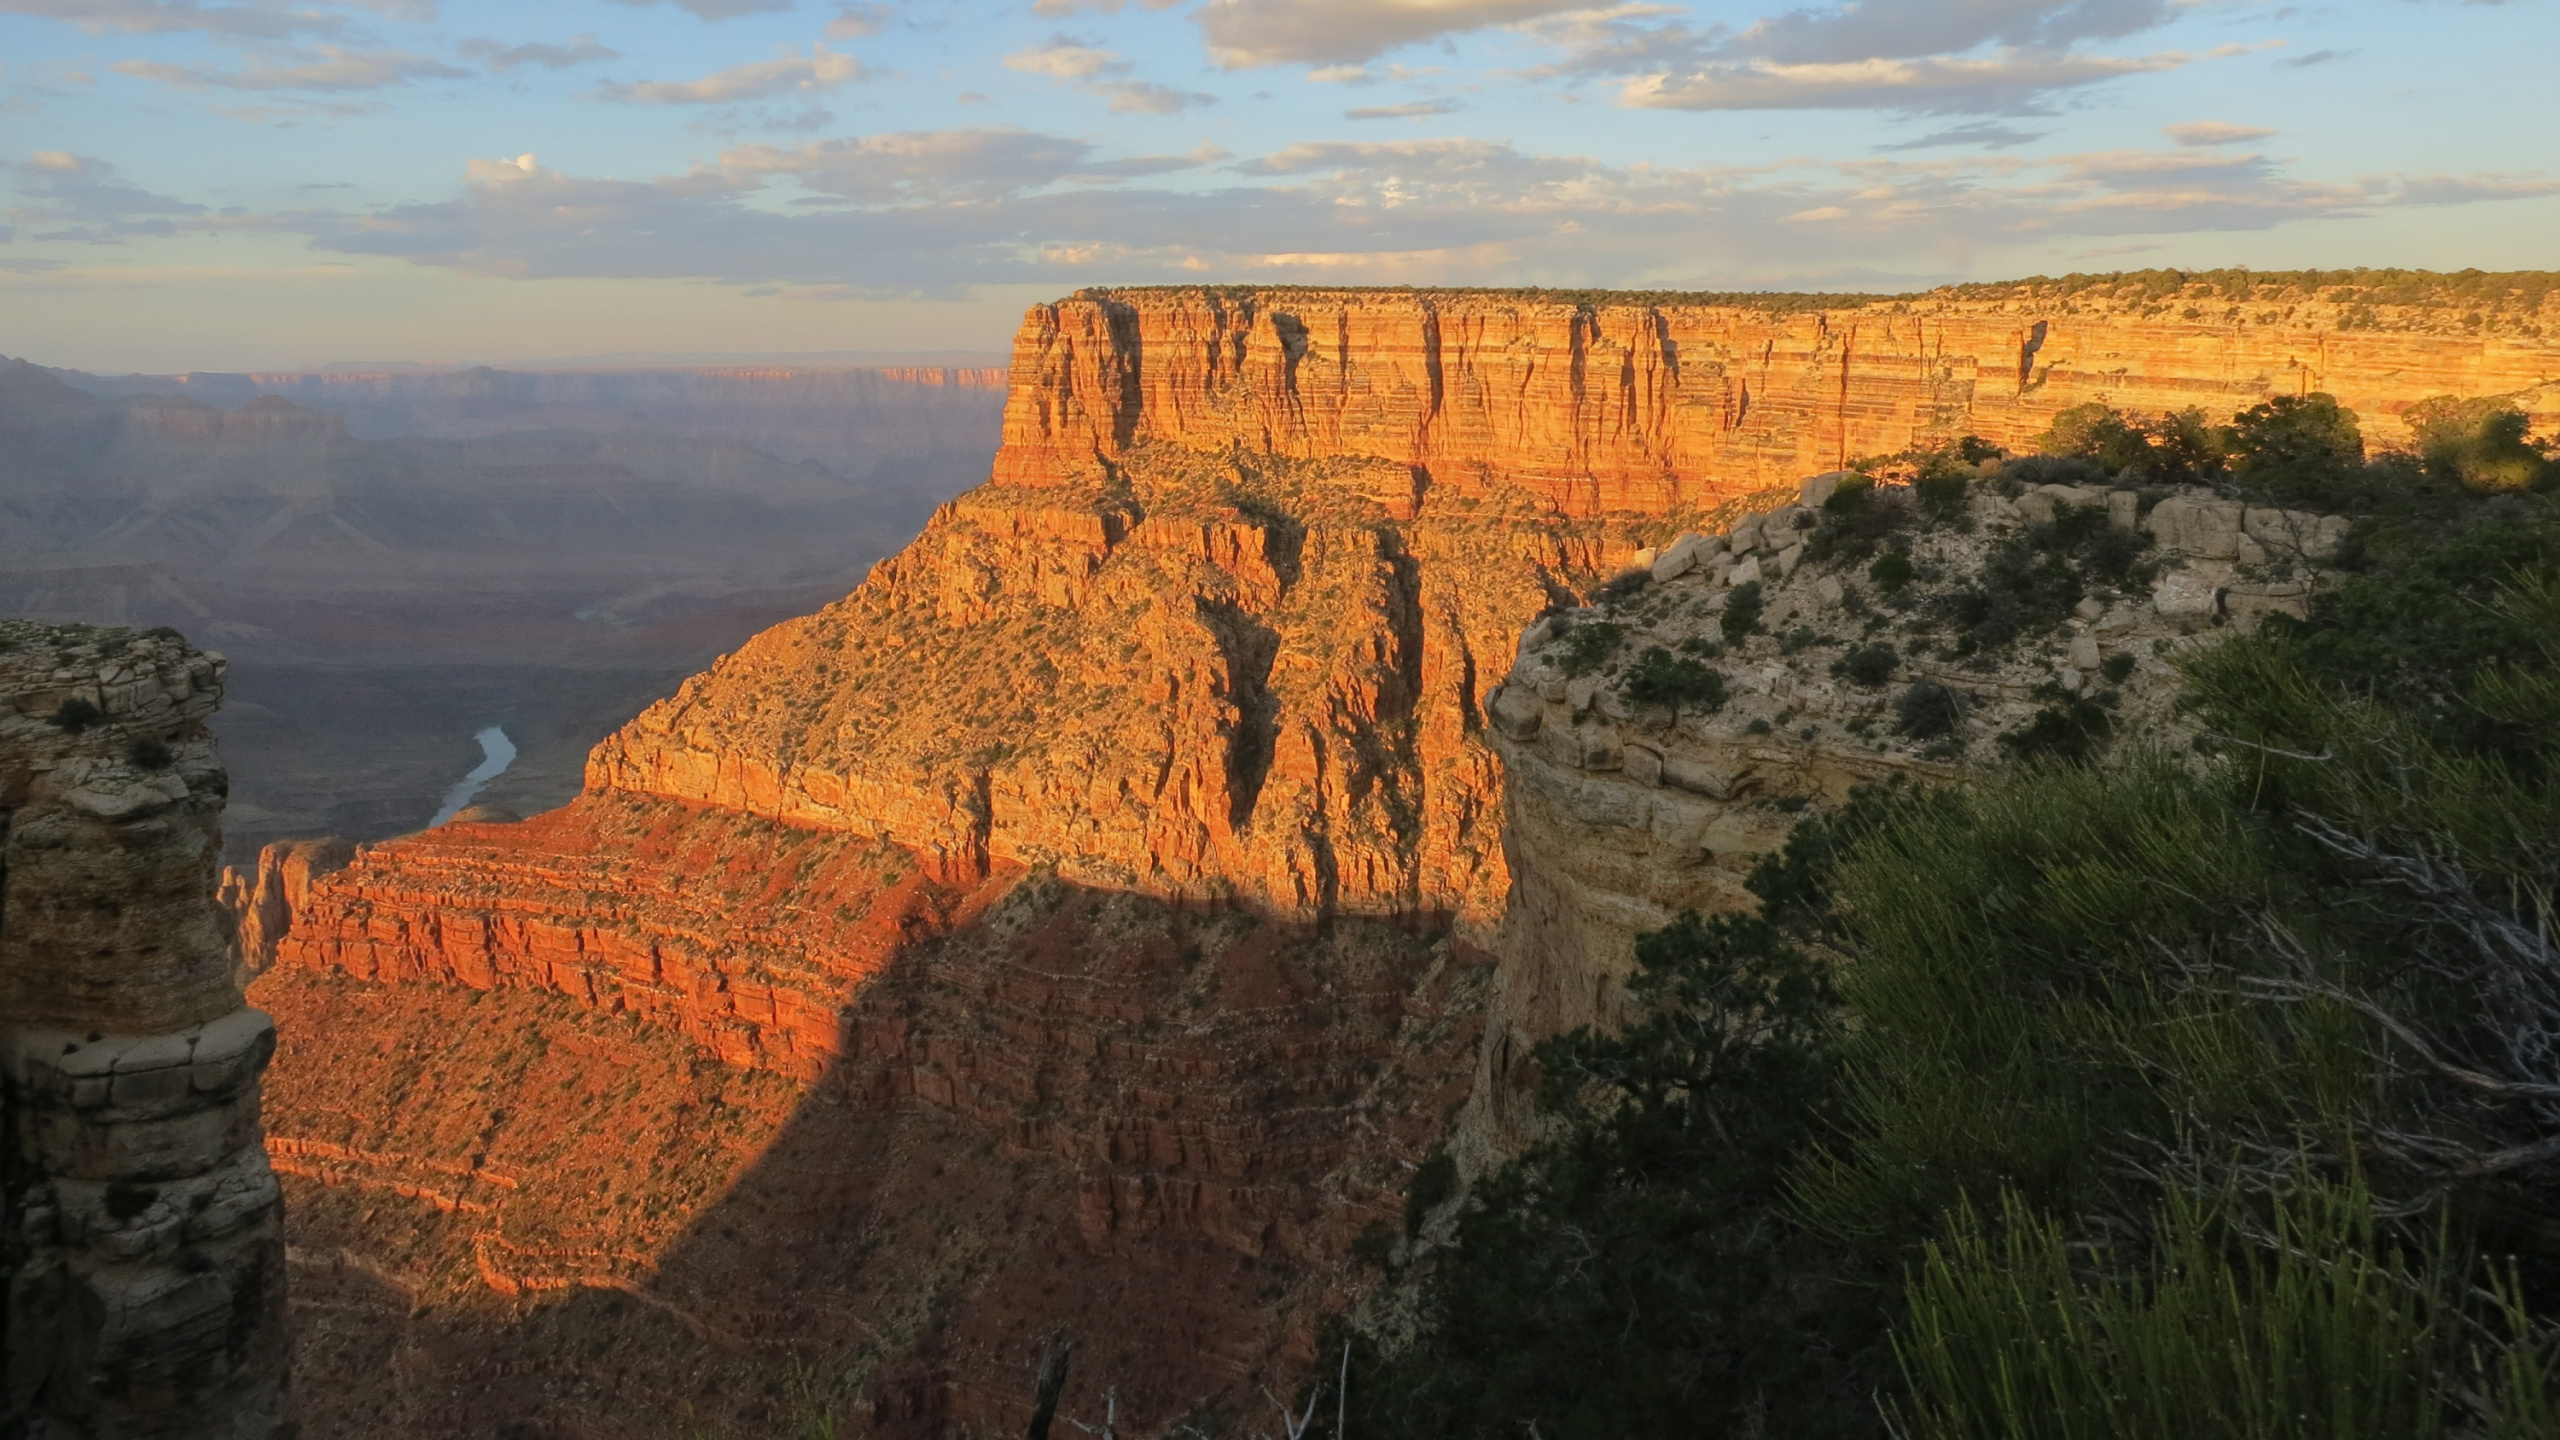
(272, 184)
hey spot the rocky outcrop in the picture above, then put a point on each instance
(1224, 640)
(1622, 811)
(141, 1231)
(1217, 626)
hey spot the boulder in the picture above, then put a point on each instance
(1746, 573)
(2249, 603)
(1684, 555)
(2199, 525)
(2291, 534)
(2084, 651)
(1829, 588)
(2123, 506)
(1517, 710)
(1641, 764)
(2193, 589)
(1694, 777)
(2041, 503)
(1585, 747)
(1789, 558)
(1815, 489)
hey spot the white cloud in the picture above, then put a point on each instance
(2214, 132)
(854, 21)
(324, 67)
(2008, 82)
(1072, 62)
(581, 50)
(261, 20)
(1410, 110)
(1246, 33)
(1908, 29)
(718, 9)
(1066, 59)
(1914, 56)
(936, 212)
(819, 71)
(1144, 98)
(73, 197)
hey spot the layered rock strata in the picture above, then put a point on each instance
(1219, 623)
(1620, 814)
(1220, 636)
(141, 1230)
(1044, 1106)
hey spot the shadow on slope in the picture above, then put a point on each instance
(1156, 1128)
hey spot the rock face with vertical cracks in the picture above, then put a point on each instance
(941, 892)
(1219, 623)
(141, 1231)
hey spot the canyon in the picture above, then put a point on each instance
(395, 560)
(1091, 921)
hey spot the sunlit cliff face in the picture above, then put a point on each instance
(1087, 921)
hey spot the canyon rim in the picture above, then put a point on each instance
(1090, 922)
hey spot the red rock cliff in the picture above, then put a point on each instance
(1221, 622)
(1219, 631)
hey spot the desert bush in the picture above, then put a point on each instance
(1660, 678)
(1927, 710)
(1741, 612)
(1588, 645)
(1867, 665)
(75, 715)
(2073, 731)
(2482, 443)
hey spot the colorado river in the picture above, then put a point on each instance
(498, 752)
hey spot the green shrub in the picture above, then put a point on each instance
(1623, 586)
(1741, 612)
(1589, 644)
(1892, 571)
(2323, 1329)
(1867, 665)
(2074, 731)
(2175, 448)
(1659, 678)
(75, 715)
(2118, 668)
(1855, 520)
(1927, 710)
(1634, 1276)
(2480, 442)
(2295, 433)
(150, 754)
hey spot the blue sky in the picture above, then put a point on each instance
(232, 184)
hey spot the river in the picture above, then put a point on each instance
(497, 753)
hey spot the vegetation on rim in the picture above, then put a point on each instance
(2210, 1093)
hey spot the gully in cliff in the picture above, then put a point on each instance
(141, 1231)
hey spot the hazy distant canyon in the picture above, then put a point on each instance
(395, 560)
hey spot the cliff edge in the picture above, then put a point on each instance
(141, 1230)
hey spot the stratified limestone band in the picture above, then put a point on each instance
(141, 1230)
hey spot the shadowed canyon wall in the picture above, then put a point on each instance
(1212, 646)
(141, 1231)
